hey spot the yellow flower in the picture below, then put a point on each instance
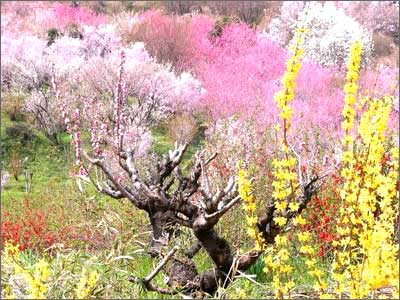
(306, 249)
(294, 206)
(283, 254)
(290, 284)
(86, 284)
(350, 88)
(299, 220)
(251, 232)
(249, 205)
(281, 206)
(285, 179)
(280, 240)
(251, 220)
(303, 236)
(281, 221)
(37, 282)
(9, 294)
(286, 113)
(10, 252)
(310, 263)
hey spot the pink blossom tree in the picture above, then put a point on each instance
(171, 197)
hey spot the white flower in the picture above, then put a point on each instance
(331, 33)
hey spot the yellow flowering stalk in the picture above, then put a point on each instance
(9, 255)
(36, 281)
(350, 89)
(276, 261)
(8, 292)
(285, 182)
(86, 284)
(348, 221)
(10, 252)
(311, 263)
(345, 230)
(283, 169)
(249, 205)
(375, 237)
(366, 257)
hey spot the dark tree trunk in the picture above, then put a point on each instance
(162, 226)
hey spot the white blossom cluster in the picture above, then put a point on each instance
(280, 29)
(331, 34)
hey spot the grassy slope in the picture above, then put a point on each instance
(52, 185)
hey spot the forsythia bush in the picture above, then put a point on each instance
(23, 282)
(249, 206)
(365, 254)
(286, 187)
(35, 280)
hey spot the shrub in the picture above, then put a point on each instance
(29, 231)
(182, 128)
(250, 12)
(38, 17)
(20, 132)
(155, 91)
(221, 23)
(100, 40)
(64, 15)
(27, 276)
(324, 210)
(167, 38)
(24, 65)
(331, 34)
(233, 139)
(238, 69)
(46, 114)
(15, 164)
(12, 105)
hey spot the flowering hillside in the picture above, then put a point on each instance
(186, 149)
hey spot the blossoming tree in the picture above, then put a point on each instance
(170, 195)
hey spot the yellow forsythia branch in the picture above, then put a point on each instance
(249, 206)
(285, 177)
(86, 284)
(36, 281)
(366, 257)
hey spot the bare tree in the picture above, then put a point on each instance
(172, 198)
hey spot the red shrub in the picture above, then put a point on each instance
(321, 215)
(30, 231)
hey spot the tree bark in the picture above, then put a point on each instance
(162, 225)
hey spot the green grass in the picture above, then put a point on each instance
(53, 186)
(48, 163)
